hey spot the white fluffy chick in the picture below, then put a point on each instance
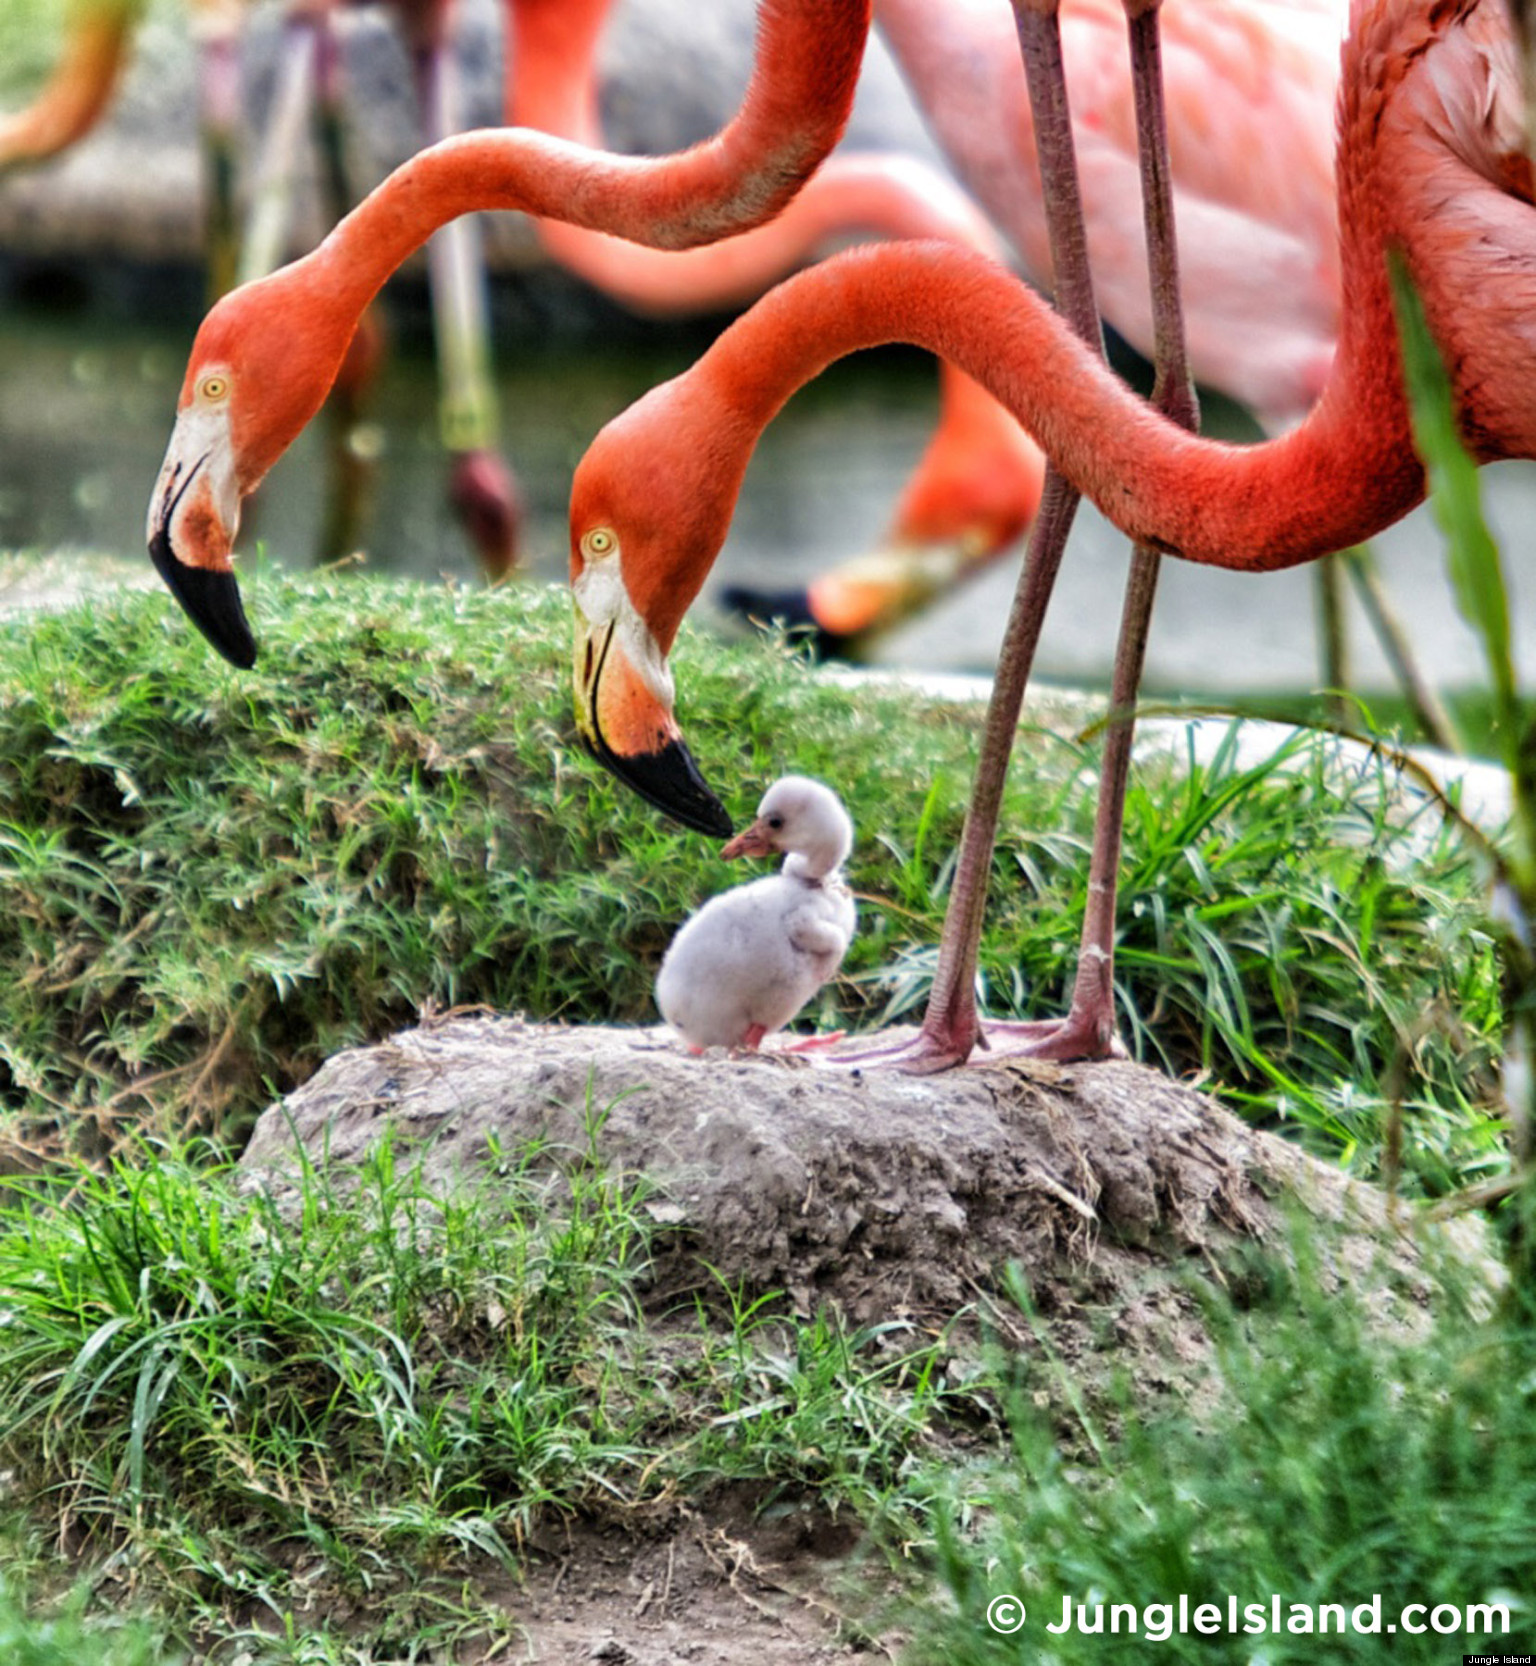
(747, 962)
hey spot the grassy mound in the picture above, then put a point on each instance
(211, 880)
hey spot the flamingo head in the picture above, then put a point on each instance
(261, 366)
(650, 507)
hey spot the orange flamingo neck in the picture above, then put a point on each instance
(292, 328)
(1225, 505)
(795, 108)
(1345, 473)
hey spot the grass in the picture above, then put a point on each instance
(237, 1407)
(1337, 1466)
(210, 881)
(317, 1432)
(325, 1430)
(71, 1639)
(314, 1433)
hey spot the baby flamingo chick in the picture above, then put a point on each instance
(747, 962)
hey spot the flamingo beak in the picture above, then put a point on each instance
(193, 517)
(629, 728)
(756, 840)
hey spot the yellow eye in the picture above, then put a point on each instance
(213, 387)
(599, 542)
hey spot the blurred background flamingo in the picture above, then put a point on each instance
(976, 486)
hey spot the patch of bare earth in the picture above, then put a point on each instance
(890, 1196)
(720, 1586)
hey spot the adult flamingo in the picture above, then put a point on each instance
(98, 40)
(1430, 160)
(977, 485)
(266, 354)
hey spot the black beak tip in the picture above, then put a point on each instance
(210, 600)
(670, 780)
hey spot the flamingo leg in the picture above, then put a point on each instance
(264, 242)
(1428, 709)
(352, 465)
(481, 486)
(952, 1027)
(1333, 637)
(1088, 1030)
(216, 27)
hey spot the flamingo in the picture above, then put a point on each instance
(80, 87)
(1429, 160)
(1250, 91)
(266, 355)
(977, 485)
(745, 964)
(76, 96)
(481, 487)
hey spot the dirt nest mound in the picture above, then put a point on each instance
(889, 1195)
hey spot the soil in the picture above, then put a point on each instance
(888, 1195)
(721, 1587)
(715, 1583)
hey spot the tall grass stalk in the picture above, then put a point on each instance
(1482, 594)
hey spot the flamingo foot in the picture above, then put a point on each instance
(1075, 1039)
(486, 497)
(1082, 1035)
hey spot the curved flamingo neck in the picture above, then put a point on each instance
(795, 108)
(851, 194)
(1345, 473)
(552, 49)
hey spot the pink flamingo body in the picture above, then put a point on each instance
(1251, 88)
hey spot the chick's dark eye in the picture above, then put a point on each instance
(775, 822)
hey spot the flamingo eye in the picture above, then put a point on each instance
(776, 823)
(213, 388)
(599, 542)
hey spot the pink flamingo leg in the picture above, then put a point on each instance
(1088, 1030)
(481, 487)
(952, 1027)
